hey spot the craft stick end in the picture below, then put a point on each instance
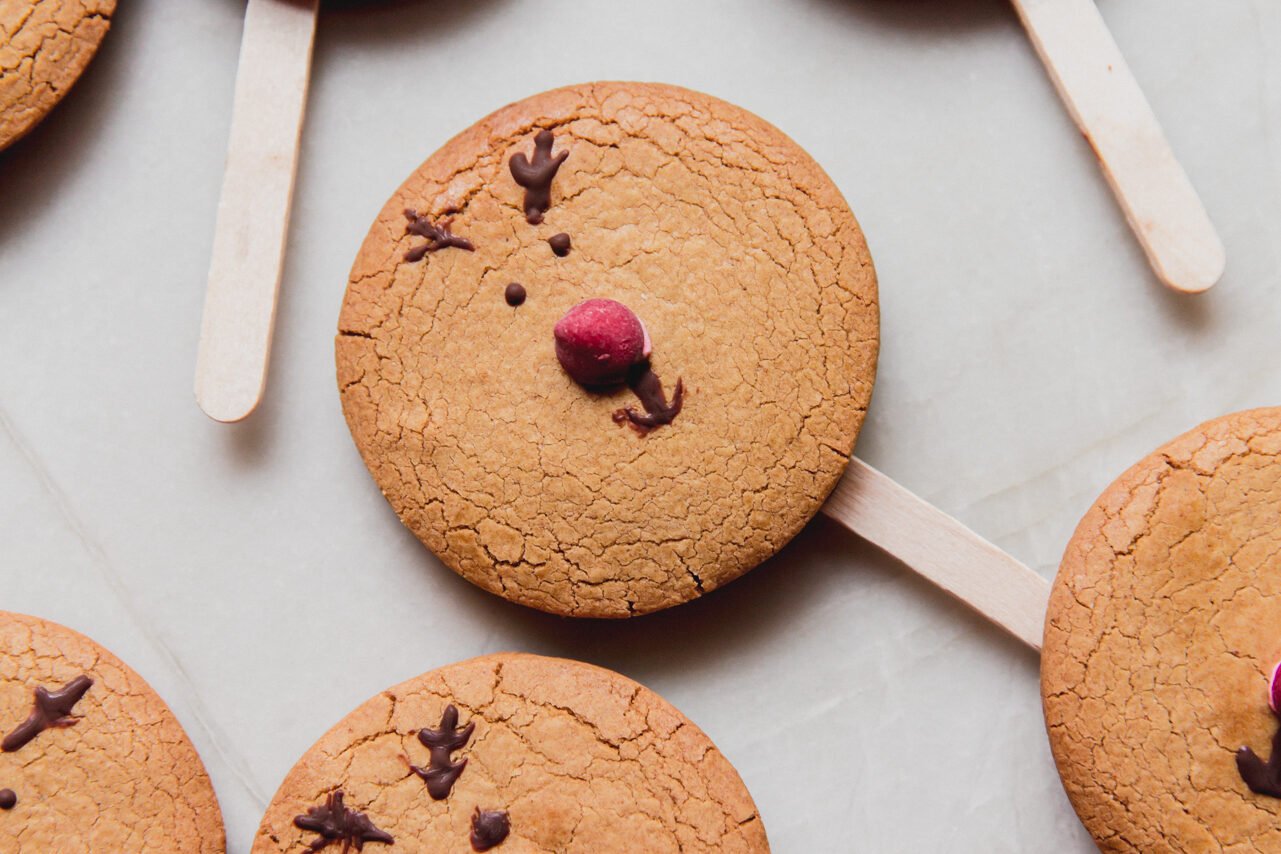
(1196, 275)
(224, 404)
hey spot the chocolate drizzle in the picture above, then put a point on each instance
(337, 824)
(51, 709)
(489, 828)
(515, 294)
(646, 385)
(1263, 778)
(437, 233)
(560, 244)
(536, 175)
(9, 800)
(441, 773)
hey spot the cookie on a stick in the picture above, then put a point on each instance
(1161, 641)
(610, 347)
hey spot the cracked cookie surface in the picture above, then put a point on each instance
(123, 777)
(753, 279)
(581, 759)
(1163, 625)
(44, 46)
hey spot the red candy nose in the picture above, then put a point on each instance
(599, 340)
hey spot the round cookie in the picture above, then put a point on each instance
(519, 753)
(91, 759)
(746, 268)
(1163, 626)
(44, 47)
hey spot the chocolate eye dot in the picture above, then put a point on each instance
(515, 294)
(560, 244)
(8, 799)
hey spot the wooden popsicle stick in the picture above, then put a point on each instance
(942, 550)
(1109, 107)
(253, 211)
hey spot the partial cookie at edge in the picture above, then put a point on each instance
(45, 45)
(1163, 624)
(580, 758)
(123, 777)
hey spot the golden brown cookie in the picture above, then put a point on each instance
(44, 46)
(523, 754)
(1163, 626)
(749, 273)
(91, 759)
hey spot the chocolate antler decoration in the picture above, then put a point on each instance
(646, 385)
(437, 233)
(1263, 778)
(336, 823)
(536, 176)
(52, 708)
(441, 772)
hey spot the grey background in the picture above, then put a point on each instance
(255, 576)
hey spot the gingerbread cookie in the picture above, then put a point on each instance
(1163, 627)
(91, 759)
(684, 462)
(44, 46)
(514, 753)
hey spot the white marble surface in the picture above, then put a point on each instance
(255, 576)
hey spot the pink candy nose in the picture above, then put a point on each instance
(599, 340)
